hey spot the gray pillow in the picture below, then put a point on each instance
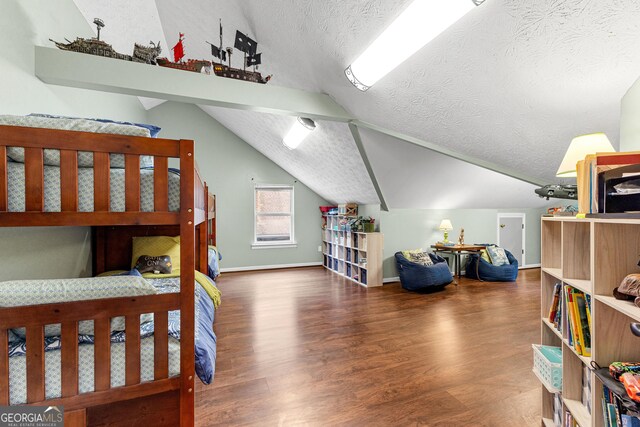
(85, 159)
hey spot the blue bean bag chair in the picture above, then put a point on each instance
(479, 269)
(414, 277)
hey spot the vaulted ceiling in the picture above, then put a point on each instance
(510, 84)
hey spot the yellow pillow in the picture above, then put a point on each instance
(407, 254)
(485, 256)
(157, 246)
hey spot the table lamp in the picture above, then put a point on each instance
(445, 226)
(580, 147)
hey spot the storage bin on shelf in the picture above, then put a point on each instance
(348, 209)
(547, 365)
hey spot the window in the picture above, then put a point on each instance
(273, 216)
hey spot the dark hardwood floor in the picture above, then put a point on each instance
(306, 347)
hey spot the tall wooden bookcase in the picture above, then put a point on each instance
(355, 255)
(592, 255)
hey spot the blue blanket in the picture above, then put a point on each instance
(205, 338)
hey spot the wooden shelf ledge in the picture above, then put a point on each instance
(79, 70)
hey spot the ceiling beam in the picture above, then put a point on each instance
(463, 157)
(84, 71)
(363, 153)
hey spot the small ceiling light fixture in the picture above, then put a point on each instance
(416, 26)
(580, 147)
(298, 132)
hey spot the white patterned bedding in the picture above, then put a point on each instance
(16, 181)
(53, 371)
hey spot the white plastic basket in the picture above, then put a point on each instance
(547, 365)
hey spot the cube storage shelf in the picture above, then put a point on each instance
(591, 255)
(355, 255)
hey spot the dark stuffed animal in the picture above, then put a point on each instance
(154, 264)
(629, 289)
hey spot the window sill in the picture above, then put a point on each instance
(273, 245)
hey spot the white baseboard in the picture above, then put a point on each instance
(524, 267)
(390, 279)
(270, 267)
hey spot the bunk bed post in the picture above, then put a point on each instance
(203, 241)
(214, 221)
(187, 287)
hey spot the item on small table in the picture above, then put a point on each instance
(461, 237)
(154, 264)
(446, 226)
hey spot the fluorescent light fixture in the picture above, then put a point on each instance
(416, 26)
(298, 132)
(580, 147)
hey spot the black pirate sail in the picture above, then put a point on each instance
(244, 44)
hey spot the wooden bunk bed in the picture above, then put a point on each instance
(165, 400)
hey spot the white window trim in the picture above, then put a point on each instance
(275, 244)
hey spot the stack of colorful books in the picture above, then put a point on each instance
(578, 316)
(555, 311)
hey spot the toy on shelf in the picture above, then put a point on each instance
(251, 59)
(194, 65)
(97, 47)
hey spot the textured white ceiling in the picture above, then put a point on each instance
(417, 178)
(511, 83)
(327, 161)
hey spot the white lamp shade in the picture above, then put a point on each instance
(580, 147)
(445, 225)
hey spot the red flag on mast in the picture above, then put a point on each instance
(178, 49)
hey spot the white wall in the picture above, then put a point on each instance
(47, 252)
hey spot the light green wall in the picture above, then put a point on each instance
(418, 228)
(231, 167)
(226, 162)
(47, 252)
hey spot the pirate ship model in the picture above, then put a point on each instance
(195, 65)
(251, 59)
(95, 46)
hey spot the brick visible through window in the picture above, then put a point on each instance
(274, 213)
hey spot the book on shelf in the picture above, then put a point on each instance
(578, 307)
(555, 311)
(555, 303)
(586, 387)
(590, 177)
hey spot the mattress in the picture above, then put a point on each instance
(205, 349)
(52, 203)
(53, 371)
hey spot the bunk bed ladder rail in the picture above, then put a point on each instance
(35, 318)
